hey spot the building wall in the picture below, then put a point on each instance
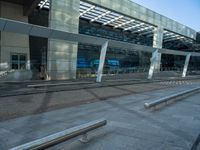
(12, 42)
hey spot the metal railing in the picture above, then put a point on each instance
(62, 136)
(168, 98)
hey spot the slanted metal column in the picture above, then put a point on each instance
(102, 61)
(154, 60)
(187, 60)
(157, 43)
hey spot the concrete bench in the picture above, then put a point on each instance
(62, 136)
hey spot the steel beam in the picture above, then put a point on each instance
(113, 20)
(102, 61)
(100, 16)
(7, 25)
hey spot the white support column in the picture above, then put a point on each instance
(187, 60)
(154, 60)
(157, 43)
(102, 61)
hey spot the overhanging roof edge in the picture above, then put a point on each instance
(7, 25)
(129, 8)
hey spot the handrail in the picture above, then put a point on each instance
(62, 136)
(167, 98)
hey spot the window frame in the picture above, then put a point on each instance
(19, 62)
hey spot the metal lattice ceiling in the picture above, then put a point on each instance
(44, 4)
(107, 17)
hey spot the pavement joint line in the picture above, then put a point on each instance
(125, 80)
(104, 84)
(43, 85)
(56, 84)
(72, 89)
(168, 98)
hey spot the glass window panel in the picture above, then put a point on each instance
(22, 58)
(18, 61)
(14, 57)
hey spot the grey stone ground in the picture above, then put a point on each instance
(130, 126)
(28, 104)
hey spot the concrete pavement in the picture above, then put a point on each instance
(129, 127)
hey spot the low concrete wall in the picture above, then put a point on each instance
(18, 75)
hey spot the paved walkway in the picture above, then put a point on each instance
(23, 105)
(130, 126)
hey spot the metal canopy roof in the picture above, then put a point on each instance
(94, 13)
(7, 25)
(106, 17)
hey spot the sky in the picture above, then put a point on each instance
(186, 12)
